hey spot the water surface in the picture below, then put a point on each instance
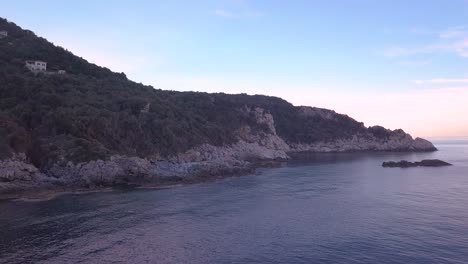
(332, 208)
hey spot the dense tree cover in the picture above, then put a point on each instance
(92, 113)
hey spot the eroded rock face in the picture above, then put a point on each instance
(259, 145)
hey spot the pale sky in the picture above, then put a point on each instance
(400, 64)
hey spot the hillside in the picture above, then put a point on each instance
(57, 123)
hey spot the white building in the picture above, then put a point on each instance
(36, 66)
(3, 33)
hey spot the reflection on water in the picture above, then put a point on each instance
(328, 208)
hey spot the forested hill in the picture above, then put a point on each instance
(92, 113)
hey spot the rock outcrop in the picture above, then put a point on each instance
(408, 164)
(18, 176)
(133, 170)
(18, 169)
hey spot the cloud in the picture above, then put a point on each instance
(441, 81)
(416, 63)
(224, 13)
(238, 9)
(455, 32)
(454, 41)
(459, 48)
(230, 14)
(401, 52)
(421, 31)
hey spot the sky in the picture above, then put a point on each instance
(399, 64)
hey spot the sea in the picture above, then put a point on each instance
(324, 208)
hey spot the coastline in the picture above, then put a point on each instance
(19, 177)
(48, 191)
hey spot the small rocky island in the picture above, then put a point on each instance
(408, 164)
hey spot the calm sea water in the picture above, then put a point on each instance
(333, 208)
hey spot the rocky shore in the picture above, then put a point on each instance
(18, 177)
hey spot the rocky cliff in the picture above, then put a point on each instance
(93, 127)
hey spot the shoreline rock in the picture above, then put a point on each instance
(123, 172)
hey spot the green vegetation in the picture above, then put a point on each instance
(91, 113)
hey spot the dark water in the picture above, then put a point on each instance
(337, 208)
